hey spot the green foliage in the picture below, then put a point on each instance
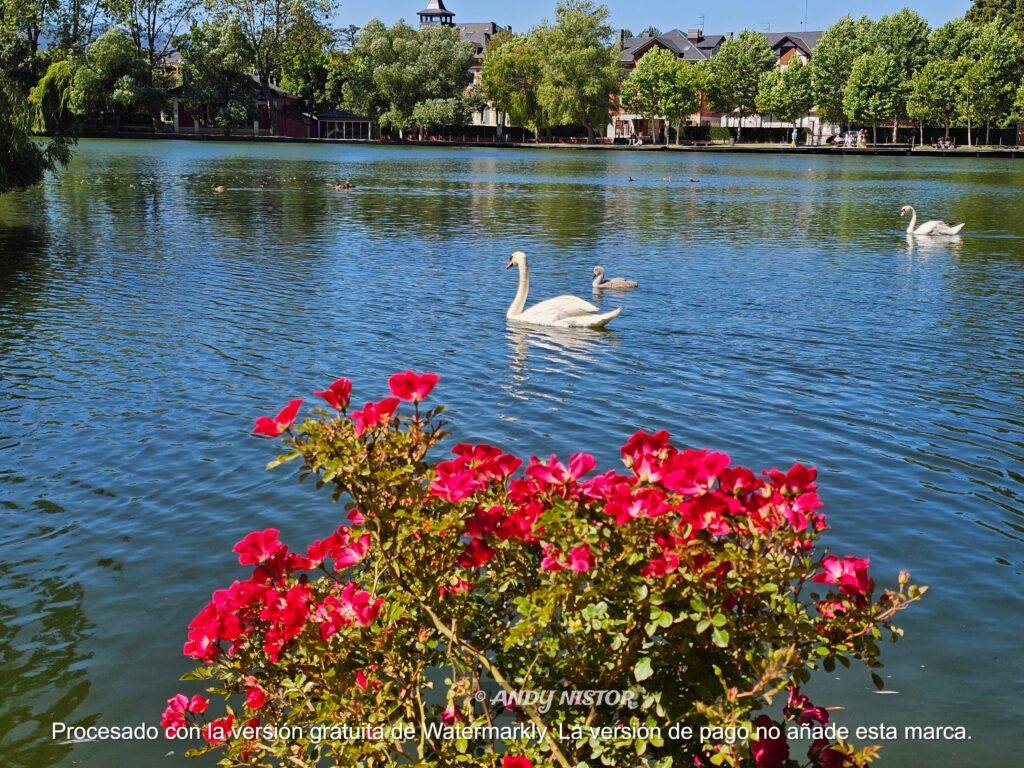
(735, 73)
(51, 99)
(214, 72)
(304, 59)
(934, 95)
(23, 162)
(662, 85)
(270, 30)
(719, 133)
(336, 74)
(113, 80)
(1017, 109)
(436, 113)
(786, 92)
(511, 77)
(492, 581)
(391, 69)
(833, 60)
(905, 36)
(580, 66)
(873, 92)
(1006, 12)
(953, 39)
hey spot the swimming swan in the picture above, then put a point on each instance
(934, 227)
(613, 283)
(559, 312)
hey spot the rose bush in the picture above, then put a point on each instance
(695, 584)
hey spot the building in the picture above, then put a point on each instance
(343, 124)
(287, 118)
(477, 34)
(693, 45)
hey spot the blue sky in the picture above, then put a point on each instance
(720, 15)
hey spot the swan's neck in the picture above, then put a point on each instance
(913, 221)
(519, 301)
(597, 281)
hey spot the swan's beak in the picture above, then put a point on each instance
(510, 264)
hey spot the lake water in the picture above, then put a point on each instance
(782, 316)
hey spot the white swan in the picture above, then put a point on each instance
(559, 312)
(613, 283)
(934, 227)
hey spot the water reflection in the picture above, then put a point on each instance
(780, 316)
(934, 246)
(539, 349)
(43, 630)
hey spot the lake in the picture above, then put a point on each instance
(782, 315)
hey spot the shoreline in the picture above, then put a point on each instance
(769, 149)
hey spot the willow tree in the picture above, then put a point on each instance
(23, 161)
(511, 77)
(580, 66)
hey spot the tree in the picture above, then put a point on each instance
(650, 31)
(265, 28)
(645, 91)
(304, 58)
(74, 23)
(934, 95)
(978, 94)
(786, 92)
(906, 38)
(580, 66)
(22, 23)
(437, 113)
(511, 78)
(873, 92)
(735, 74)
(833, 61)
(152, 24)
(347, 37)
(662, 85)
(214, 72)
(952, 40)
(1007, 12)
(336, 75)
(112, 80)
(24, 162)
(1016, 115)
(391, 69)
(998, 58)
(50, 100)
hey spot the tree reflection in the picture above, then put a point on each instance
(42, 630)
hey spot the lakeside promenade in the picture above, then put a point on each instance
(903, 150)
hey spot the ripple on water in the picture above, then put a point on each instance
(782, 316)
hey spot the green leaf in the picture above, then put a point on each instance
(719, 620)
(702, 625)
(720, 637)
(643, 670)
